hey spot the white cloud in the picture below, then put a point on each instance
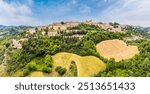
(85, 9)
(15, 14)
(134, 12)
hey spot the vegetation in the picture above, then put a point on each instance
(115, 24)
(42, 53)
(85, 27)
(47, 69)
(61, 70)
(44, 45)
(48, 60)
(26, 72)
(73, 68)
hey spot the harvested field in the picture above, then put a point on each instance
(116, 49)
(38, 74)
(86, 66)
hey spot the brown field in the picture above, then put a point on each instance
(116, 49)
(86, 65)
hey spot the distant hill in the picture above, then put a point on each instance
(12, 30)
(2, 26)
(147, 29)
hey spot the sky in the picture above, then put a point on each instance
(43, 12)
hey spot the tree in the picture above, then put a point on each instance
(26, 72)
(61, 71)
(111, 65)
(73, 68)
(62, 22)
(32, 67)
(46, 31)
(47, 69)
(146, 65)
(7, 45)
(88, 47)
(48, 60)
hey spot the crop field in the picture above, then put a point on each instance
(86, 66)
(116, 49)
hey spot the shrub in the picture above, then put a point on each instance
(73, 68)
(61, 70)
(58, 68)
(7, 45)
(47, 70)
(48, 60)
(32, 67)
(25, 72)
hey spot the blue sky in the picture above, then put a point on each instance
(43, 12)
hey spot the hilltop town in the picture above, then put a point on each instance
(113, 27)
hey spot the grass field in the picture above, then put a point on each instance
(86, 66)
(116, 49)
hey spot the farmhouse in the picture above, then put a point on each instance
(16, 44)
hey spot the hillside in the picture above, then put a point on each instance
(2, 26)
(76, 49)
(12, 30)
